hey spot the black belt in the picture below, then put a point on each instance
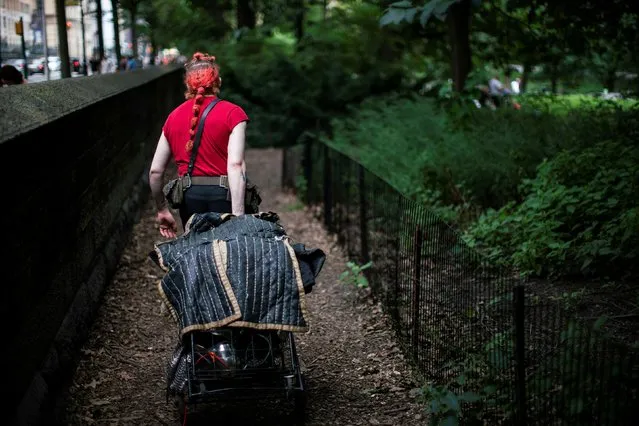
(222, 181)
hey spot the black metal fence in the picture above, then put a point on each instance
(489, 349)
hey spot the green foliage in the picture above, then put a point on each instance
(580, 214)
(469, 159)
(292, 87)
(567, 104)
(301, 185)
(476, 392)
(461, 164)
(171, 23)
(401, 11)
(354, 275)
(572, 375)
(445, 406)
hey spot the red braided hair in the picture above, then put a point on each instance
(202, 78)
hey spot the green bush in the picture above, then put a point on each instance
(556, 199)
(580, 215)
(561, 104)
(463, 162)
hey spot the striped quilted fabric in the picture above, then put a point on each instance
(232, 271)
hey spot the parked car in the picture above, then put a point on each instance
(18, 63)
(34, 65)
(37, 65)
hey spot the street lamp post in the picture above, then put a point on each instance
(45, 46)
(63, 43)
(84, 46)
(20, 26)
(1, 36)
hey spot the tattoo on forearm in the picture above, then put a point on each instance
(244, 176)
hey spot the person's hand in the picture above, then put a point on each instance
(168, 226)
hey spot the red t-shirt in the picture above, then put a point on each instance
(213, 151)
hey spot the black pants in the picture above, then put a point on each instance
(204, 199)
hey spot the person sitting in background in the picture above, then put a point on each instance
(515, 86)
(123, 63)
(132, 63)
(9, 76)
(497, 90)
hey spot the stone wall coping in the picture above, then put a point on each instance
(28, 106)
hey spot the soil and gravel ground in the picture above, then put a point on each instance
(355, 372)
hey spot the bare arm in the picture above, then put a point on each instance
(236, 168)
(158, 166)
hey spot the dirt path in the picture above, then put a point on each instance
(355, 372)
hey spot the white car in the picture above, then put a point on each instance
(18, 63)
(37, 64)
(54, 63)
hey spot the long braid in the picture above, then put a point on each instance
(202, 78)
(199, 98)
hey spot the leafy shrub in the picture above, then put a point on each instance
(460, 163)
(354, 275)
(426, 153)
(580, 215)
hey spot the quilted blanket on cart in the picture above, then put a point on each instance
(236, 272)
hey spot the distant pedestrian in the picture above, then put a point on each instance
(132, 63)
(10, 75)
(95, 65)
(106, 66)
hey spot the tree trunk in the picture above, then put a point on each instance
(134, 33)
(554, 78)
(116, 32)
(459, 35)
(524, 78)
(300, 12)
(611, 73)
(98, 18)
(245, 14)
(216, 10)
(611, 78)
(63, 44)
(154, 47)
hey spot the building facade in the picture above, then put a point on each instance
(74, 27)
(10, 12)
(40, 23)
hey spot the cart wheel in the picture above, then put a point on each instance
(300, 398)
(181, 408)
(299, 412)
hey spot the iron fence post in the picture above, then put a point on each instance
(285, 177)
(520, 354)
(363, 212)
(328, 193)
(397, 247)
(307, 165)
(417, 255)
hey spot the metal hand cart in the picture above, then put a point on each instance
(241, 363)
